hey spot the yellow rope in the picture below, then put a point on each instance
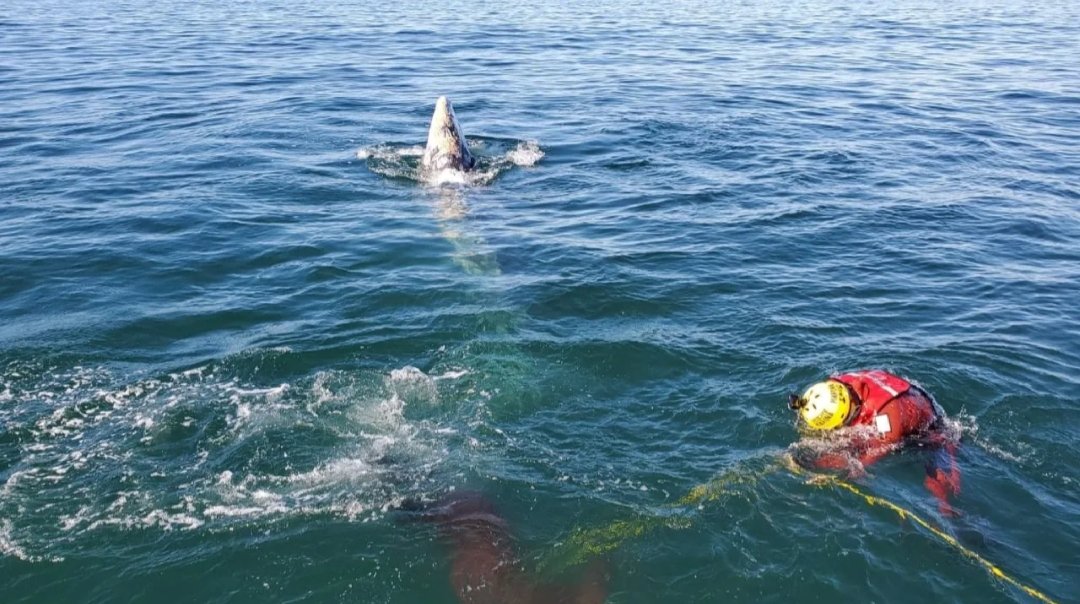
(722, 486)
(937, 532)
(585, 544)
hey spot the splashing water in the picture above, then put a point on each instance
(336, 443)
(838, 443)
(493, 158)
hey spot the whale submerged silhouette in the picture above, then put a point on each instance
(484, 566)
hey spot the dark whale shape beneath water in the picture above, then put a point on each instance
(446, 148)
(484, 566)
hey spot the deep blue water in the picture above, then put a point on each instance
(237, 331)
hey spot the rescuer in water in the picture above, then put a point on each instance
(874, 413)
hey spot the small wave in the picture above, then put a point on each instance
(1015, 451)
(389, 152)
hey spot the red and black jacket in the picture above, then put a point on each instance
(894, 407)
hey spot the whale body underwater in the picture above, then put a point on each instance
(446, 148)
(485, 567)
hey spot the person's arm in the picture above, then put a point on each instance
(874, 451)
(845, 460)
(864, 449)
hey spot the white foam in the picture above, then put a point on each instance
(143, 422)
(449, 176)
(452, 374)
(526, 154)
(271, 394)
(157, 518)
(81, 423)
(189, 374)
(1002, 453)
(9, 547)
(407, 373)
(321, 390)
(409, 384)
(86, 513)
(228, 511)
(257, 408)
(336, 471)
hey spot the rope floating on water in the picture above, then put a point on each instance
(994, 570)
(585, 544)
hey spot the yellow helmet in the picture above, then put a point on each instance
(825, 405)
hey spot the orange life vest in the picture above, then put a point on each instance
(874, 389)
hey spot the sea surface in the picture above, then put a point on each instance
(238, 329)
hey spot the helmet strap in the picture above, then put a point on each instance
(856, 404)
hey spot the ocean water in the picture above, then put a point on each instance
(238, 331)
